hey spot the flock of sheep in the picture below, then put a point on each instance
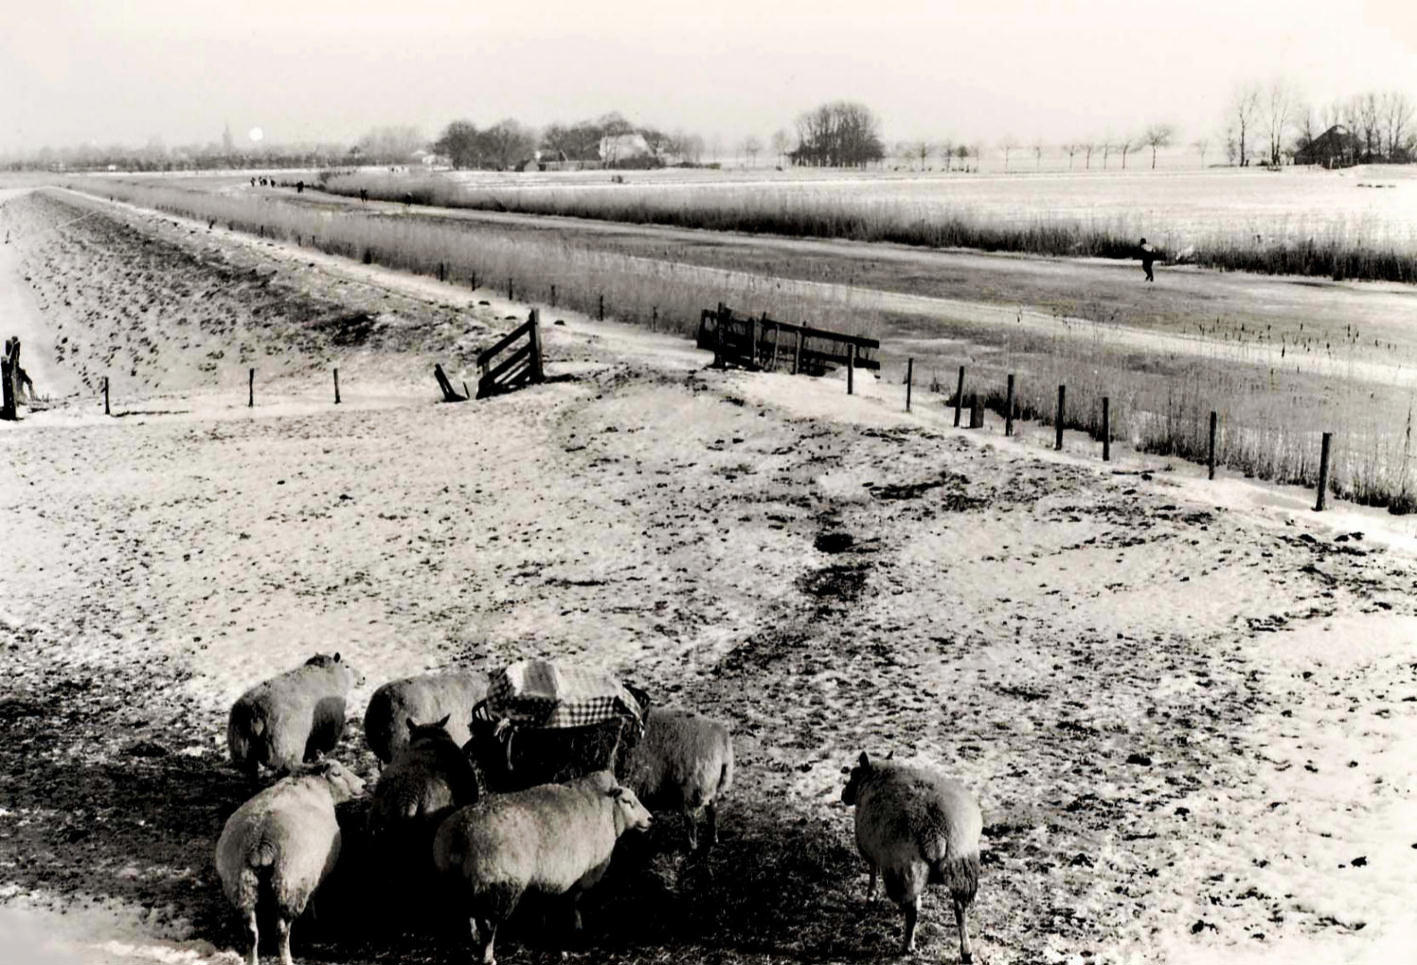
(490, 846)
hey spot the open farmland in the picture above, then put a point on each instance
(1135, 670)
(1279, 360)
(1360, 222)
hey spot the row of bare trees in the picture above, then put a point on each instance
(1272, 121)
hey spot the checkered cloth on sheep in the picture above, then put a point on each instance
(543, 693)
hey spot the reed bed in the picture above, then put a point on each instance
(1271, 417)
(1341, 247)
(650, 292)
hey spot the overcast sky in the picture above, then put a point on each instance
(106, 71)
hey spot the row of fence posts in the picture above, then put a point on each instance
(976, 416)
(250, 391)
(976, 421)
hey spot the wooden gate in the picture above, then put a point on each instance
(763, 343)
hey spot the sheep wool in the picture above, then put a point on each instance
(553, 838)
(915, 826)
(292, 718)
(425, 697)
(278, 846)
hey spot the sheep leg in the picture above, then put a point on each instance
(577, 925)
(912, 914)
(965, 954)
(711, 818)
(283, 929)
(487, 929)
(693, 825)
(255, 937)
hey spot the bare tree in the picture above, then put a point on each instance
(1368, 114)
(1071, 149)
(1126, 145)
(1087, 148)
(1200, 145)
(946, 151)
(751, 148)
(1007, 143)
(1158, 135)
(839, 134)
(781, 141)
(1395, 111)
(1244, 112)
(1037, 153)
(923, 150)
(1278, 108)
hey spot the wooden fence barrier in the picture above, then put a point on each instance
(522, 366)
(7, 390)
(756, 342)
(450, 394)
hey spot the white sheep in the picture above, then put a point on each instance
(552, 838)
(281, 844)
(428, 777)
(425, 697)
(684, 762)
(292, 718)
(915, 826)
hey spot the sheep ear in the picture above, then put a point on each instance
(864, 761)
(444, 721)
(891, 755)
(411, 724)
(616, 792)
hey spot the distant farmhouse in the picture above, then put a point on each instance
(1334, 148)
(622, 148)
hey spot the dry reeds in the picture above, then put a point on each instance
(1337, 249)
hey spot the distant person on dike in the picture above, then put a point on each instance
(363, 194)
(1148, 255)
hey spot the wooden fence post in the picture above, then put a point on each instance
(538, 374)
(7, 390)
(600, 312)
(909, 378)
(474, 281)
(654, 318)
(752, 342)
(718, 359)
(1062, 394)
(251, 389)
(776, 338)
(851, 368)
(1009, 407)
(511, 289)
(553, 296)
(105, 396)
(797, 354)
(1323, 473)
(1210, 459)
(336, 386)
(1106, 429)
(449, 393)
(976, 412)
(959, 395)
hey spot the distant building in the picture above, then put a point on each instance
(1334, 148)
(624, 147)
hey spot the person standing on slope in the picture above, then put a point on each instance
(1148, 256)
